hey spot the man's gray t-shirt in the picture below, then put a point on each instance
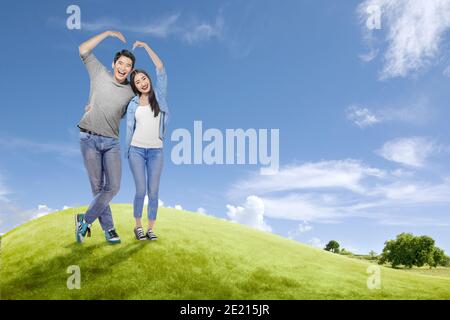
(108, 99)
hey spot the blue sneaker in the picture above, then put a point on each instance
(82, 228)
(112, 236)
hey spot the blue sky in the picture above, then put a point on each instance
(362, 113)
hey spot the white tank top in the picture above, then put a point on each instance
(146, 134)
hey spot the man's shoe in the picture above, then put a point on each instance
(82, 228)
(139, 234)
(151, 236)
(112, 236)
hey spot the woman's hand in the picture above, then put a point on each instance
(118, 35)
(87, 108)
(138, 44)
(156, 61)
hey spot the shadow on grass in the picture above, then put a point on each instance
(45, 277)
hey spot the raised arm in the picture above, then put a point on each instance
(90, 44)
(155, 59)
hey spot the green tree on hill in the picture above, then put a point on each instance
(409, 250)
(332, 246)
(438, 258)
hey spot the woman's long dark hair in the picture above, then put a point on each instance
(151, 95)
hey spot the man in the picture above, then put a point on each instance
(99, 133)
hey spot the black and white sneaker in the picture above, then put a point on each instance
(139, 234)
(151, 236)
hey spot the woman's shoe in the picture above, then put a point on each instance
(151, 236)
(139, 234)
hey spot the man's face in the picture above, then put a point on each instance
(122, 68)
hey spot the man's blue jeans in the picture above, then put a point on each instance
(103, 164)
(146, 165)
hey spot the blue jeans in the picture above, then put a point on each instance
(146, 166)
(102, 160)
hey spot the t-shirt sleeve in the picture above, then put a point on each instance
(93, 66)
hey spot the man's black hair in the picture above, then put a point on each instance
(127, 54)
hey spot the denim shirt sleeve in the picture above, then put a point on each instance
(130, 125)
(161, 88)
(161, 96)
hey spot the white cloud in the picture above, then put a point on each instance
(446, 72)
(346, 174)
(412, 151)
(302, 228)
(201, 210)
(204, 31)
(367, 57)
(251, 214)
(66, 207)
(3, 192)
(42, 210)
(418, 112)
(316, 242)
(374, 193)
(190, 31)
(178, 207)
(37, 147)
(362, 117)
(414, 32)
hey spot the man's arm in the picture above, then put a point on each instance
(90, 44)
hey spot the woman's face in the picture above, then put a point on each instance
(142, 83)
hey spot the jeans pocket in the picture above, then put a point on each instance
(84, 136)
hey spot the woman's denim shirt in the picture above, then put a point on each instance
(161, 94)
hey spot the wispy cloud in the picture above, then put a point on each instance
(38, 147)
(412, 151)
(330, 191)
(418, 112)
(346, 174)
(302, 228)
(191, 31)
(414, 32)
(361, 116)
(161, 28)
(316, 242)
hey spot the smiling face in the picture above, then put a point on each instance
(142, 83)
(122, 68)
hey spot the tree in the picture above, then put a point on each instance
(372, 255)
(424, 249)
(409, 250)
(438, 258)
(399, 251)
(332, 246)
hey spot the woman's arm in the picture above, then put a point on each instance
(90, 44)
(156, 61)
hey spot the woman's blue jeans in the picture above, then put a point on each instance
(146, 166)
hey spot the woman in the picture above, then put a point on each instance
(147, 117)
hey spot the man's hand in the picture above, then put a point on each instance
(118, 35)
(87, 108)
(90, 44)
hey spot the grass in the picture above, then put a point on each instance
(196, 257)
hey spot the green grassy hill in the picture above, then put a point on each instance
(196, 257)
